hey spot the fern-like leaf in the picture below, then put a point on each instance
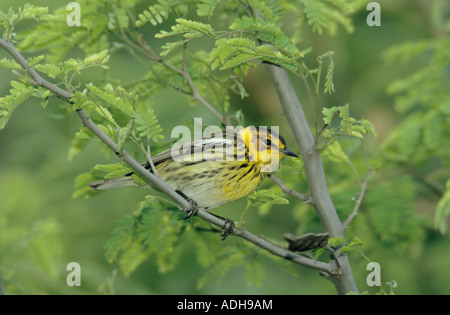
(327, 14)
(18, 94)
(206, 7)
(155, 14)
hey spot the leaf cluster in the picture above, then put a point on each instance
(125, 110)
(422, 101)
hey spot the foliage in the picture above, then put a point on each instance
(422, 100)
(218, 43)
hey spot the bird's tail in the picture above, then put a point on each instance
(106, 184)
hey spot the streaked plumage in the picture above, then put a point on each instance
(213, 171)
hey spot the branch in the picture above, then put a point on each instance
(149, 53)
(196, 94)
(37, 80)
(359, 200)
(289, 191)
(314, 170)
(148, 154)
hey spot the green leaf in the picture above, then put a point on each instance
(108, 94)
(80, 140)
(238, 52)
(347, 125)
(329, 114)
(406, 138)
(112, 170)
(319, 252)
(335, 242)
(19, 94)
(81, 187)
(204, 249)
(329, 86)
(267, 32)
(123, 135)
(355, 242)
(335, 153)
(432, 129)
(147, 123)
(255, 271)
(231, 258)
(155, 14)
(51, 70)
(394, 219)
(11, 64)
(106, 114)
(352, 246)
(122, 237)
(369, 127)
(206, 7)
(327, 14)
(263, 196)
(30, 11)
(33, 61)
(168, 47)
(96, 59)
(189, 29)
(188, 25)
(46, 246)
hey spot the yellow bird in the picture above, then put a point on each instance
(215, 170)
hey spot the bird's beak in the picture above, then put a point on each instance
(288, 152)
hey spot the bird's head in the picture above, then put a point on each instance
(264, 145)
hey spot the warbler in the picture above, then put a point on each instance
(215, 170)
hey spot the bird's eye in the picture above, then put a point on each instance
(268, 142)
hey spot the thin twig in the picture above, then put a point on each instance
(362, 189)
(359, 200)
(306, 198)
(326, 268)
(149, 158)
(185, 73)
(196, 94)
(319, 193)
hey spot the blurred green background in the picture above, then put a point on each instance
(38, 213)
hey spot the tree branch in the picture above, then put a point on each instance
(319, 194)
(359, 200)
(147, 50)
(289, 191)
(314, 170)
(37, 80)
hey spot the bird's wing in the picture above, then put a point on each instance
(198, 150)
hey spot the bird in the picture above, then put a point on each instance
(214, 170)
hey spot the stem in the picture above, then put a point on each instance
(314, 170)
(359, 200)
(196, 94)
(149, 53)
(325, 268)
(289, 191)
(316, 111)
